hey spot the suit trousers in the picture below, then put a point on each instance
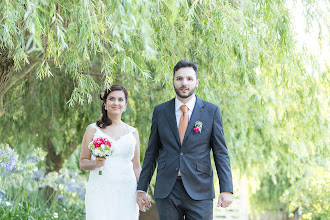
(178, 205)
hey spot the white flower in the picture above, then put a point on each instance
(51, 179)
(198, 126)
(19, 165)
(32, 186)
(40, 153)
(98, 152)
(17, 180)
(31, 167)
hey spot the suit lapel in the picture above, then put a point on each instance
(195, 116)
(170, 114)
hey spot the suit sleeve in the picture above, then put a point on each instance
(220, 154)
(151, 156)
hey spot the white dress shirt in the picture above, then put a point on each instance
(178, 112)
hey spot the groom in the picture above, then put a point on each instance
(183, 132)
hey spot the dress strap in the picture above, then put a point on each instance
(132, 129)
(93, 125)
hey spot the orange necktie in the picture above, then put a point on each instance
(183, 123)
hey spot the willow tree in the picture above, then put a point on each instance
(273, 96)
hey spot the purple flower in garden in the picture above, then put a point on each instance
(32, 157)
(8, 159)
(39, 174)
(70, 185)
(73, 174)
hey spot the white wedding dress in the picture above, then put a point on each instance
(112, 195)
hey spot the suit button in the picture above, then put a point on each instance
(176, 169)
(181, 153)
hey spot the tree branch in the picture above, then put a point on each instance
(2, 109)
(93, 74)
(19, 77)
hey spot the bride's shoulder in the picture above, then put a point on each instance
(92, 128)
(132, 129)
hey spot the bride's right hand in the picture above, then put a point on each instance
(99, 162)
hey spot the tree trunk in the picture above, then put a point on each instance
(6, 71)
(54, 161)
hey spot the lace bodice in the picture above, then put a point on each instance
(123, 147)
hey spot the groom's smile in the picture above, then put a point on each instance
(184, 89)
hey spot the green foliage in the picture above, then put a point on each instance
(45, 120)
(310, 194)
(272, 90)
(23, 211)
(268, 195)
(26, 211)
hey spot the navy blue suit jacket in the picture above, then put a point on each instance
(192, 157)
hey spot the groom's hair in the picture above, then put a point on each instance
(185, 63)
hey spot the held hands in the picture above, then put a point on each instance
(225, 199)
(100, 161)
(143, 200)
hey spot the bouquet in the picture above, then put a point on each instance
(100, 147)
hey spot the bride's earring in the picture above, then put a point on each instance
(105, 108)
(125, 109)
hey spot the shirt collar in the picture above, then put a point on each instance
(190, 104)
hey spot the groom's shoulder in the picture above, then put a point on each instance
(163, 105)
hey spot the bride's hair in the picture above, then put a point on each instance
(105, 121)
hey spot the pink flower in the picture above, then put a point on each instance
(107, 143)
(198, 126)
(99, 141)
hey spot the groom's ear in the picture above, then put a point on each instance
(197, 83)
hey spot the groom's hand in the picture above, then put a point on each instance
(225, 199)
(143, 201)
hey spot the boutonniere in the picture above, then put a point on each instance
(198, 126)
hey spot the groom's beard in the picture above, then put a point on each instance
(177, 91)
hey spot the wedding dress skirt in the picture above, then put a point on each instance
(112, 195)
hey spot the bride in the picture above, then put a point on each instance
(112, 195)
